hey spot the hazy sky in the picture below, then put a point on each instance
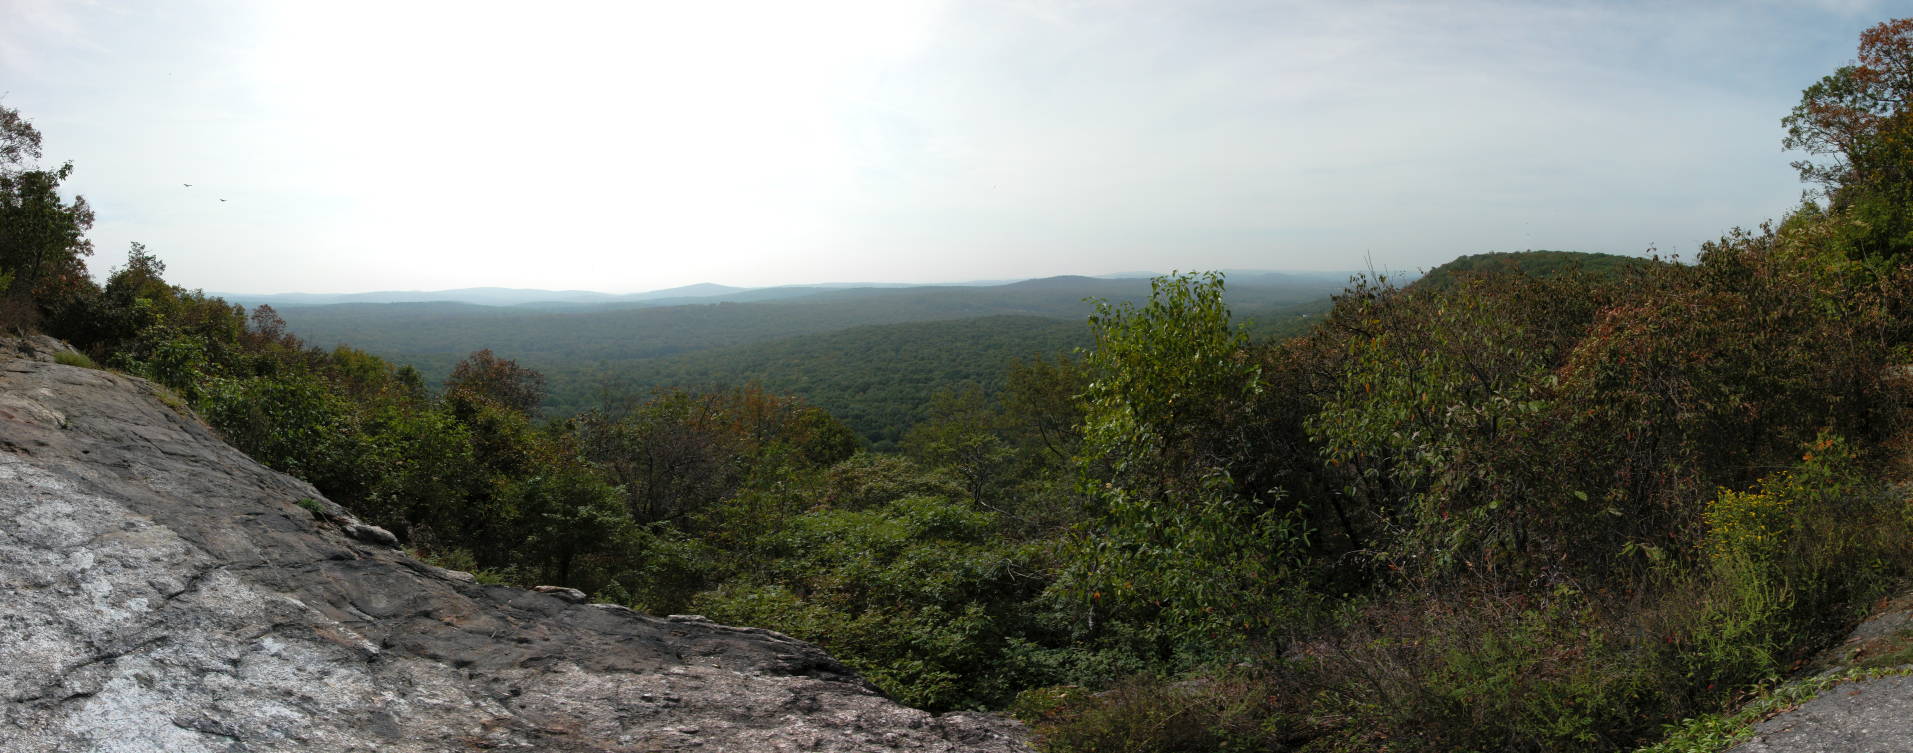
(625, 146)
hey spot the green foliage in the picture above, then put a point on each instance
(1823, 530)
(484, 375)
(1477, 670)
(962, 439)
(679, 452)
(74, 358)
(1537, 502)
(293, 424)
(1752, 527)
(1276, 323)
(1177, 541)
(914, 591)
(871, 357)
(1163, 374)
(1861, 116)
(878, 379)
(1493, 444)
(574, 525)
(869, 480)
(1041, 399)
(1724, 369)
(1013, 453)
(43, 243)
(1234, 711)
(1487, 667)
(426, 470)
(1442, 392)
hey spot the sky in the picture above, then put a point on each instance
(345, 146)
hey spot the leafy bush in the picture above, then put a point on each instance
(1572, 668)
(1186, 539)
(1492, 446)
(1438, 423)
(1239, 710)
(912, 593)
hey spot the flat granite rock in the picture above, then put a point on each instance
(160, 591)
(1872, 716)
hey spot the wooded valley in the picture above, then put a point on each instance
(1530, 502)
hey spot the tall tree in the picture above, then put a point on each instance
(1188, 537)
(1861, 116)
(500, 380)
(19, 142)
(42, 235)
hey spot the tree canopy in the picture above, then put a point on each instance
(1861, 117)
(43, 241)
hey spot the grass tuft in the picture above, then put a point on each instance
(74, 358)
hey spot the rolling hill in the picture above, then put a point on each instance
(1538, 263)
(872, 355)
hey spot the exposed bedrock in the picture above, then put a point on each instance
(159, 591)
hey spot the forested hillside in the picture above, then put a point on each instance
(434, 335)
(878, 379)
(871, 355)
(1529, 509)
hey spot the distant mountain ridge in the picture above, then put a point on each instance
(703, 292)
(871, 353)
(433, 334)
(487, 296)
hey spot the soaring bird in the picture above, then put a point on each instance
(188, 185)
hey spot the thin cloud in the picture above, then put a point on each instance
(35, 30)
(634, 146)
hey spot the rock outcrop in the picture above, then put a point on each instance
(1875, 716)
(159, 591)
(1865, 716)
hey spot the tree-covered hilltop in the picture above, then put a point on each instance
(1531, 510)
(1533, 263)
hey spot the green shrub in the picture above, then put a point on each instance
(462, 561)
(915, 595)
(1236, 710)
(1187, 536)
(294, 424)
(74, 358)
(1781, 569)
